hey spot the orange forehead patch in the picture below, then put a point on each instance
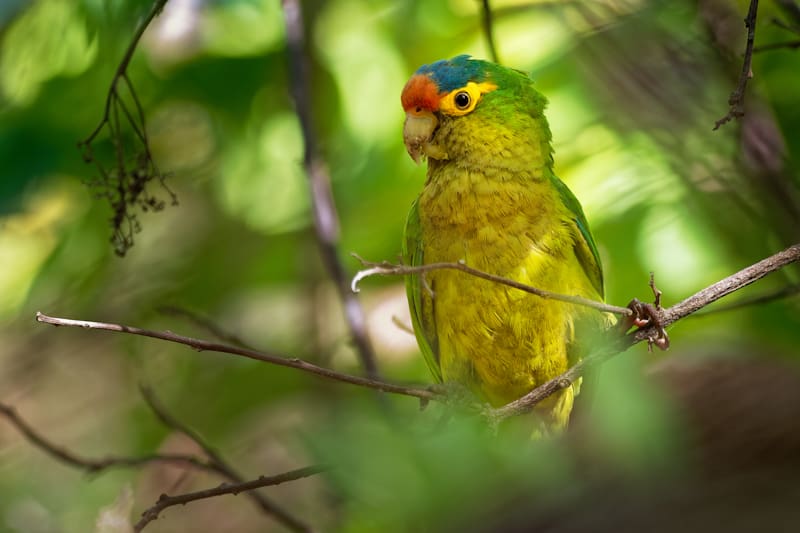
(420, 93)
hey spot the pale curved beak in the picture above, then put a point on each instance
(418, 131)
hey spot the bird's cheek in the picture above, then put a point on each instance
(418, 132)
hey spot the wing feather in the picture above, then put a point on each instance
(420, 301)
(585, 249)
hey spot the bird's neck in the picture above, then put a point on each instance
(469, 200)
(486, 145)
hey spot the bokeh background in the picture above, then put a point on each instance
(635, 88)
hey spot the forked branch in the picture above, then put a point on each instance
(667, 317)
(124, 179)
(166, 501)
(219, 465)
(615, 344)
(92, 465)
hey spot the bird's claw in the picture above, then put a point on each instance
(646, 314)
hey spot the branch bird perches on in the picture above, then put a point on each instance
(614, 345)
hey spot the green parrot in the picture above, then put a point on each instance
(492, 201)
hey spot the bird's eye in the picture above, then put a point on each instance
(462, 100)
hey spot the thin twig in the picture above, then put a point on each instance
(488, 30)
(781, 24)
(792, 45)
(736, 99)
(205, 323)
(667, 316)
(90, 465)
(166, 501)
(210, 346)
(326, 220)
(220, 465)
(791, 9)
(389, 269)
(122, 68)
(402, 326)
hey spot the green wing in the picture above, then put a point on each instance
(585, 251)
(420, 301)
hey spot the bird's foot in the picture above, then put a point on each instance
(649, 315)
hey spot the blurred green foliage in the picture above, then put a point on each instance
(634, 90)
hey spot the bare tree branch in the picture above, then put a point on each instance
(166, 501)
(667, 316)
(390, 269)
(736, 99)
(215, 463)
(488, 30)
(210, 346)
(90, 465)
(730, 284)
(779, 294)
(221, 466)
(326, 220)
(617, 343)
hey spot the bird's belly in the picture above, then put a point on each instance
(499, 341)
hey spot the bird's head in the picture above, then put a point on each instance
(447, 88)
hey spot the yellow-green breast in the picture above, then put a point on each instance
(499, 341)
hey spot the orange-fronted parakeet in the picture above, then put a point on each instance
(491, 200)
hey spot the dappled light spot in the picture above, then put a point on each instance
(50, 39)
(368, 69)
(262, 179)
